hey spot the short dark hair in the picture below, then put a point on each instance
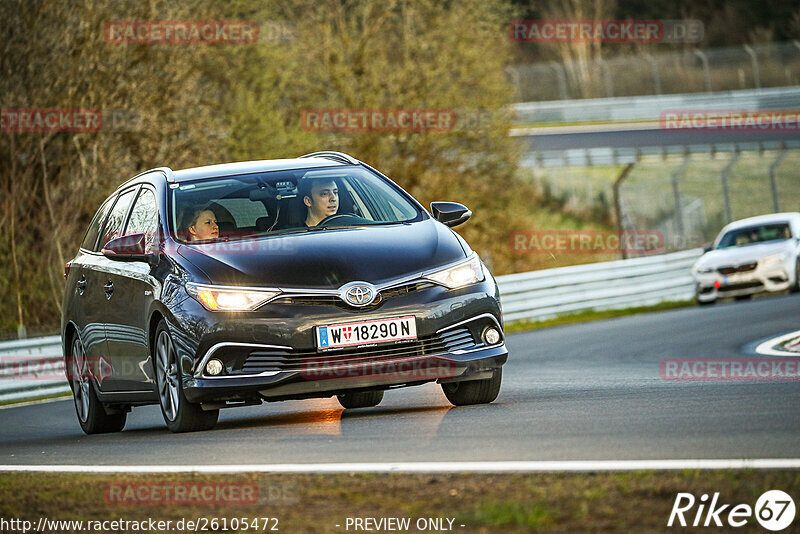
(306, 184)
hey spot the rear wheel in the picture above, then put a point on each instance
(360, 399)
(796, 286)
(474, 391)
(91, 413)
(179, 414)
(743, 297)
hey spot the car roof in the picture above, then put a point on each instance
(308, 161)
(247, 167)
(763, 219)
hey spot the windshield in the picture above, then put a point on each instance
(755, 234)
(277, 202)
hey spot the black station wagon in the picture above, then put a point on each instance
(234, 284)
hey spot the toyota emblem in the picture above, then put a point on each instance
(359, 294)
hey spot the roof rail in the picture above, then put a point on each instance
(166, 170)
(341, 157)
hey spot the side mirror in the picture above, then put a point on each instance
(708, 248)
(450, 213)
(128, 248)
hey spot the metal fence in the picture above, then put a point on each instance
(686, 71)
(34, 367)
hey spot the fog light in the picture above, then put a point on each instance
(491, 336)
(214, 367)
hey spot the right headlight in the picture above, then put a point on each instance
(220, 298)
(462, 274)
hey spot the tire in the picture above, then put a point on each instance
(796, 286)
(704, 302)
(91, 413)
(474, 391)
(180, 415)
(743, 297)
(360, 399)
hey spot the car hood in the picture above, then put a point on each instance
(328, 259)
(740, 255)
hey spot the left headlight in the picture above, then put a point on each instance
(460, 275)
(218, 298)
(772, 259)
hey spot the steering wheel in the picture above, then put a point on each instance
(324, 221)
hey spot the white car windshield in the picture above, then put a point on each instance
(755, 234)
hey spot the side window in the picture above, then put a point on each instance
(116, 218)
(90, 239)
(144, 217)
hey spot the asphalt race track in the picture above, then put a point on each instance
(582, 392)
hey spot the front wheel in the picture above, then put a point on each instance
(474, 391)
(360, 399)
(179, 414)
(796, 286)
(91, 413)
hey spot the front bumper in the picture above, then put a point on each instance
(714, 285)
(271, 353)
(334, 379)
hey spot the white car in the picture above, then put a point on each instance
(750, 256)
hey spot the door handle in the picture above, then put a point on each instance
(109, 287)
(81, 285)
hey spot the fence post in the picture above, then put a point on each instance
(706, 69)
(562, 79)
(609, 83)
(772, 168)
(754, 59)
(618, 206)
(676, 192)
(656, 77)
(725, 192)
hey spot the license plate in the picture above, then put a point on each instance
(359, 333)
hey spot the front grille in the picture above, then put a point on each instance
(730, 269)
(332, 300)
(742, 285)
(260, 361)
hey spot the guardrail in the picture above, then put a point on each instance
(538, 295)
(32, 368)
(642, 108)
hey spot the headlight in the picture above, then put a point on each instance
(704, 270)
(459, 275)
(218, 298)
(772, 259)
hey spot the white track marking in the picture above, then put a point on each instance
(425, 467)
(766, 349)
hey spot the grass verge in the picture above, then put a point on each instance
(638, 501)
(592, 315)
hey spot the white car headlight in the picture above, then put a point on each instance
(704, 270)
(460, 275)
(219, 298)
(773, 259)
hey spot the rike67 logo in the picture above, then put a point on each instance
(774, 510)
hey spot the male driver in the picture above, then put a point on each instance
(321, 197)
